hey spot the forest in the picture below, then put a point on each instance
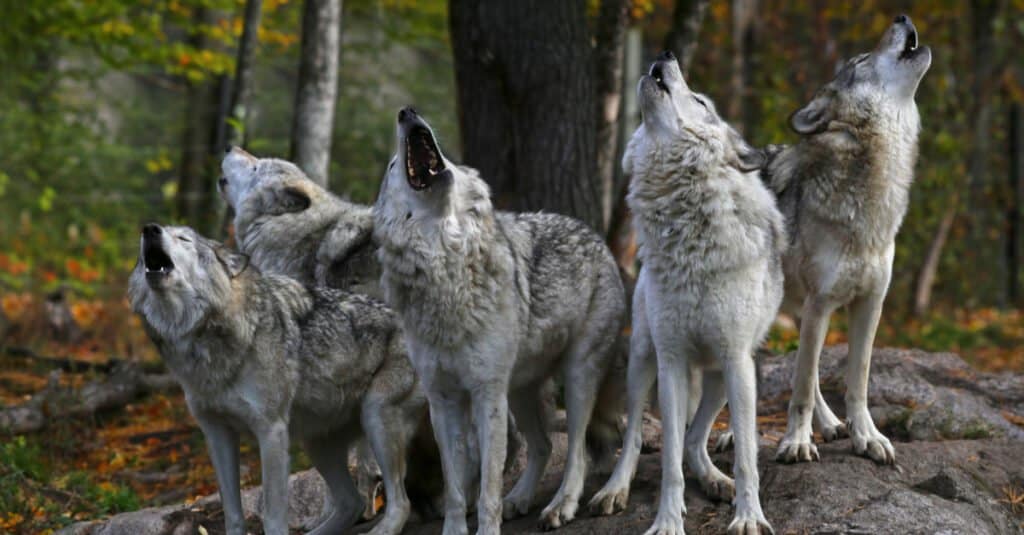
(115, 113)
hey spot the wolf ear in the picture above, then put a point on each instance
(234, 263)
(291, 199)
(742, 155)
(812, 118)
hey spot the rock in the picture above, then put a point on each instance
(913, 394)
(958, 455)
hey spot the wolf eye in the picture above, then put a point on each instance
(184, 239)
(701, 102)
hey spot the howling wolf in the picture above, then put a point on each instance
(492, 305)
(843, 190)
(267, 355)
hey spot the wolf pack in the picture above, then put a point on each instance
(423, 333)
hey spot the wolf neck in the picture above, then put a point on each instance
(696, 217)
(443, 274)
(287, 243)
(866, 189)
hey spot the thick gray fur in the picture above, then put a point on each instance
(262, 353)
(493, 304)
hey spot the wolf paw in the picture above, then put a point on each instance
(609, 500)
(560, 512)
(796, 451)
(719, 487)
(666, 525)
(514, 506)
(833, 431)
(875, 447)
(750, 524)
(724, 441)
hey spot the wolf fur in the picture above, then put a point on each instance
(844, 190)
(711, 241)
(288, 224)
(492, 305)
(263, 353)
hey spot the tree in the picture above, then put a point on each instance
(740, 108)
(608, 64)
(526, 101)
(317, 91)
(686, 22)
(241, 88)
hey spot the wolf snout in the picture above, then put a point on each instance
(901, 19)
(151, 230)
(407, 113)
(666, 56)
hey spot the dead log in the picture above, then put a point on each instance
(125, 383)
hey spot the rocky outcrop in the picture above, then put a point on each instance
(960, 465)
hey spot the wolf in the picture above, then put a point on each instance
(492, 305)
(265, 354)
(843, 190)
(289, 224)
(711, 243)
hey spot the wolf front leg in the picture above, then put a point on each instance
(222, 442)
(868, 441)
(273, 442)
(673, 381)
(741, 385)
(490, 409)
(448, 420)
(796, 445)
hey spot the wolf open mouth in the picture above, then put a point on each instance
(154, 257)
(658, 74)
(422, 158)
(909, 45)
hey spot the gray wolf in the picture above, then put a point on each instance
(711, 243)
(843, 190)
(492, 305)
(262, 353)
(288, 224)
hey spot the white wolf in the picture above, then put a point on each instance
(493, 304)
(710, 286)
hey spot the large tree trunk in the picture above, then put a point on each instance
(983, 14)
(195, 196)
(687, 18)
(526, 102)
(317, 92)
(608, 57)
(241, 89)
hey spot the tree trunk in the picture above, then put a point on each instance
(983, 13)
(743, 17)
(317, 92)
(241, 89)
(1015, 146)
(621, 236)
(195, 196)
(526, 100)
(608, 57)
(687, 18)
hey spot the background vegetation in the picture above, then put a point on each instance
(98, 108)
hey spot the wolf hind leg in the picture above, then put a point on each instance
(585, 367)
(329, 456)
(387, 431)
(531, 416)
(716, 485)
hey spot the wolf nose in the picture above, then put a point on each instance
(222, 182)
(901, 19)
(151, 230)
(666, 56)
(406, 113)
